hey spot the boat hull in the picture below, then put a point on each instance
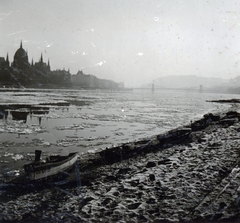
(45, 171)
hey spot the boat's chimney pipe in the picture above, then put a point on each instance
(37, 155)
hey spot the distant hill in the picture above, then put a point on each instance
(187, 81)
(234, 82)
(193, 82)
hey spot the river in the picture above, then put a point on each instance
(63, 121)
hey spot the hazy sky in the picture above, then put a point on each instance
(133, 41)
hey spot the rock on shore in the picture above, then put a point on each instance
(194, 180)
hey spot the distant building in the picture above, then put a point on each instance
(20, 59)
(82, 80)
(22, 73)
(41, 65)
(4, 63)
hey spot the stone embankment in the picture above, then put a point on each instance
(186, 177)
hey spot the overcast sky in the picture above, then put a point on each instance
(130, 41)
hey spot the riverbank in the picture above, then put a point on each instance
(190, 174)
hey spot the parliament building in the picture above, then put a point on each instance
(20, 73)
(20, 61)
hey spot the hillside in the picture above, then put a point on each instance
(194, 82)
(188, 81)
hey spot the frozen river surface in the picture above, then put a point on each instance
(63, 121)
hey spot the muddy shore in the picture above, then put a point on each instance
(189, 174)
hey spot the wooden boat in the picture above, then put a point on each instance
(53, 165)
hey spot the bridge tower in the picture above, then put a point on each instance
(152, 87)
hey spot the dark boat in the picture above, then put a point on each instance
(53, 165)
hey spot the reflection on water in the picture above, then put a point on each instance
(20, 115)
(21, 112)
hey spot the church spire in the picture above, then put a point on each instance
(7, 61)
(21, 44)
(41, 58)
(32, 61)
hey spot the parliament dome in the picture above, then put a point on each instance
(20, 58)
(20, 54)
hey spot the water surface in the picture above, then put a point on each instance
(63, 121)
